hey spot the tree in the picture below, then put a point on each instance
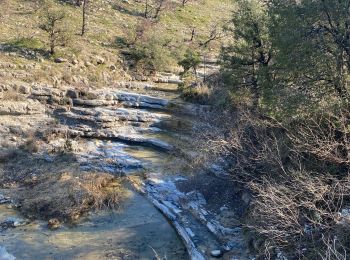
(191, 61)
(313, 54)
(246, 61)
(53, 18)
(153, 8)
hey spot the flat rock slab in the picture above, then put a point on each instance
(114, 115)
(141, 99)
(28, 107)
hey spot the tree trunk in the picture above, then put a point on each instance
(159, 8)
(193, 34)
(146, 10)
(85, 10)
(340, 83)
(255, 86)
(52, 46)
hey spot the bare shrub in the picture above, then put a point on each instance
(325, 137)
(297, 173)
(199, 94)
(301, 206)
(334, 250)
(252, 145)
(69, 195)
(12, 95)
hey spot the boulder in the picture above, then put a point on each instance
(60, 60)
(12, 222)
(24, 89)
(88, 64)
(99, 60)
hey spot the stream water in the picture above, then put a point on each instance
(136, 231)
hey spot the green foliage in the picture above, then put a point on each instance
(308, 61)
(150, 52)
(191, 60)
(292, 58)
(245, 62)
(27, 43)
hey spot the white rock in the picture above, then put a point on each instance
(216, 253)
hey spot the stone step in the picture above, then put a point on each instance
(121, 135)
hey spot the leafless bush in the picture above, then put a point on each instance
(334, 250)
(252, 144)
(326, 137)
(303, 205)
(296, 172)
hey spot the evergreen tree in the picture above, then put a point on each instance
(246, 61)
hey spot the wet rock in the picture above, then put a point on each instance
(146, 141)
(4, 199)
(54, 224)
(12, 222)
(223, 208)
(216, 253)
(189, 232)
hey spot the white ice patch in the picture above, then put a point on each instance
(4, 255)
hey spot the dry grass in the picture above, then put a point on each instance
(57, 188)
(68, 196)
(13, 95)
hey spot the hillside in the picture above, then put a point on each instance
(97, 57)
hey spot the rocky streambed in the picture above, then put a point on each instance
(141, 133)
